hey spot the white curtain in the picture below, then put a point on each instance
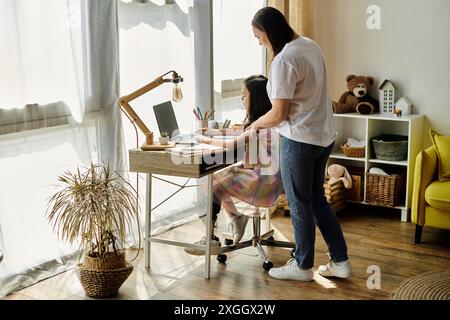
(59, 87)
(156, 37)
(41, 57)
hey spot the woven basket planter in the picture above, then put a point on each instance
(384, 190)
(390, 147)
(102, 277)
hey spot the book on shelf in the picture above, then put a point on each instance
(196, 149)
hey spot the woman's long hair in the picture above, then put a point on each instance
(274, 24)
(259, 100)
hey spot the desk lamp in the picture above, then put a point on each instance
(134, 118)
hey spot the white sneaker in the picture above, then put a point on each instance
(336, 269)
(291, 271)
(238, 224)
(215, 247)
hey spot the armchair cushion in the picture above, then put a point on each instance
(442, 146)
(437, 195)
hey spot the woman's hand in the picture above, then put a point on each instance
(253, 126)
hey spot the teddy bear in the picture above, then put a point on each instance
(337, 172)
(357, 98)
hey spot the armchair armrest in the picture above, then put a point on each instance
(424, 174)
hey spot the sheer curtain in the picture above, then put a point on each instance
(155, 37)
(59, 89)
(39, 49)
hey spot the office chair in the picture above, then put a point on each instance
(258, 240)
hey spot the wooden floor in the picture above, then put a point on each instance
(374, 237)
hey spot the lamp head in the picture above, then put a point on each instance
(177, 95)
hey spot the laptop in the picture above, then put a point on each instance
(165, 117)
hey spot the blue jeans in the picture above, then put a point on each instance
(303, 171)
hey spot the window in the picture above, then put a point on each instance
(155, 37)
(232, 63)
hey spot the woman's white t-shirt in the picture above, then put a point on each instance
(298, 73)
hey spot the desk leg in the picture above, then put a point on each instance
(209, 226)
(148, 221)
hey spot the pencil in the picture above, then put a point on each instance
(196, 115)
(199, 113)
(210, 114)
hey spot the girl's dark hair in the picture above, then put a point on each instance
(259, 100)
(274, 24)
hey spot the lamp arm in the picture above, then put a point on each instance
(125, 106)
(134, 118)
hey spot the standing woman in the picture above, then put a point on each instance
(302, 111)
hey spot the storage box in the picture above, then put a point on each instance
(356, 193)
(336, 194)
(388, 191)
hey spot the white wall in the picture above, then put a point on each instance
(412, 49)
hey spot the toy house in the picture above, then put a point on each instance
(404, 105)
(387, 96)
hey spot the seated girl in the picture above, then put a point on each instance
(259, 185)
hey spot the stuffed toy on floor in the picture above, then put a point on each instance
(357, 98)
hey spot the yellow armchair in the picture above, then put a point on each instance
(431, 198)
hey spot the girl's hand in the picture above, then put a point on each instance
(203, 139)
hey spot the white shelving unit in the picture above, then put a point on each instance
(365, 127)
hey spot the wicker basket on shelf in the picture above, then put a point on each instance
(390, 147)
(353, 152)
(385, 190)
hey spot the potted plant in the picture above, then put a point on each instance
(95, 207)
(164, 139)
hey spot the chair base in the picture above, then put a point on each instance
(258, 241)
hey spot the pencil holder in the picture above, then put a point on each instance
(199, 124)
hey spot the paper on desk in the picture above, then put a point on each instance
(194, 149)
(224, 137)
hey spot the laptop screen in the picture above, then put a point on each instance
(166, 119)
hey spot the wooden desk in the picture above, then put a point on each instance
(165, 163)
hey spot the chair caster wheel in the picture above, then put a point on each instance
(228, 242)
(292, 252)
(222, 258)
(267, 265)
(271, 238)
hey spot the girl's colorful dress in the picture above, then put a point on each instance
(260, 186)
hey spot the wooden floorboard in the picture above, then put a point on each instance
(375, 237)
